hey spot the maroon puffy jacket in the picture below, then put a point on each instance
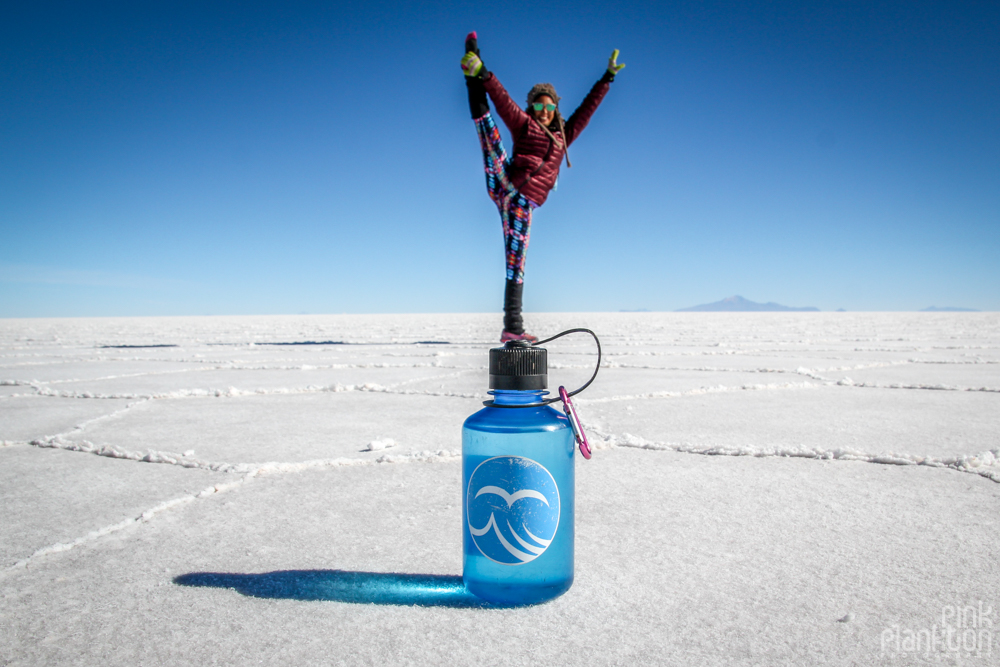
(535, 164)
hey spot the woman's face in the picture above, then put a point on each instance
(544, 116)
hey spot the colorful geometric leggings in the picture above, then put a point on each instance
(515, 209)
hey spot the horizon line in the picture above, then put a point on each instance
(964, 311)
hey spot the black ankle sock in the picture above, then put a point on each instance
(512, 320)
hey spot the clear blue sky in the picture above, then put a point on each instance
(168, 158)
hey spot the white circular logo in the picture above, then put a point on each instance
(513, 509)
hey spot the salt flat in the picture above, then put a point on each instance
(767, 488)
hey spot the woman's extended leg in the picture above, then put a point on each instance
(516, 214)
(515, 210)
(494, 157)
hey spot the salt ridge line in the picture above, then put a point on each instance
(227, 363)
(369, 387)
(176, 371)
(722, 369)
(94, 535)
(715, 353)
(811, 373)
(254, 471)
(84, 424)
(13, 443)
(719, 389)
(377, 388)
(730, 348)
(685, 351)
(145, 516)
(985, 464)
(48, 362)
(432, 378)
(956, 363)
(173, 458)
(100, 418)
(727, 349)
(222, 363)
(315, 367)
(152, 456)
(233, 392)
(35, 384)
(848, 382)
(237, 367)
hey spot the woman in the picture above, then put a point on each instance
(522, 183)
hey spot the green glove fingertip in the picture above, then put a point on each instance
(613, 65)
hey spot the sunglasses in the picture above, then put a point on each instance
(538, 106)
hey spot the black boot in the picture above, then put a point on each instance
(478, 106)
(512, 322)
(471, 43)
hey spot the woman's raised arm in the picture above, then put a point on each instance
(580, 117)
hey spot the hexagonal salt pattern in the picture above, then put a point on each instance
(765, 489)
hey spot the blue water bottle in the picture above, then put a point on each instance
(518, 484)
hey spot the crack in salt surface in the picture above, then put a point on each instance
(396, 389)
(13, 443)
(173, 458)
(985, 464)
(371, 387)
(247, 470)
(94, 535)
(111, 415)
(719, 389)
(848, 382)
(237, 366)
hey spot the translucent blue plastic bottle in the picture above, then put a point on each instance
(518, 487)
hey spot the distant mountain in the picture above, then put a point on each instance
(949, 309)
(737, 304)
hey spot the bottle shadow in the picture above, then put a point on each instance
(425, 590)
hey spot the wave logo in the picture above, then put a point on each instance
(513, 509)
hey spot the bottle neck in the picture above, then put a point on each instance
(511, 397)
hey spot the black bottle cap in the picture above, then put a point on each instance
(517, 366)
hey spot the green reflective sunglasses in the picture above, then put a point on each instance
(538, 106)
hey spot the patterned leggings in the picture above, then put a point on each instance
(515, 209)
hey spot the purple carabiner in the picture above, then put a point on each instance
(574, 422)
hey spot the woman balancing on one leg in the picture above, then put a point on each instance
(522, 183)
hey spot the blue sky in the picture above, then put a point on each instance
(186, 159)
